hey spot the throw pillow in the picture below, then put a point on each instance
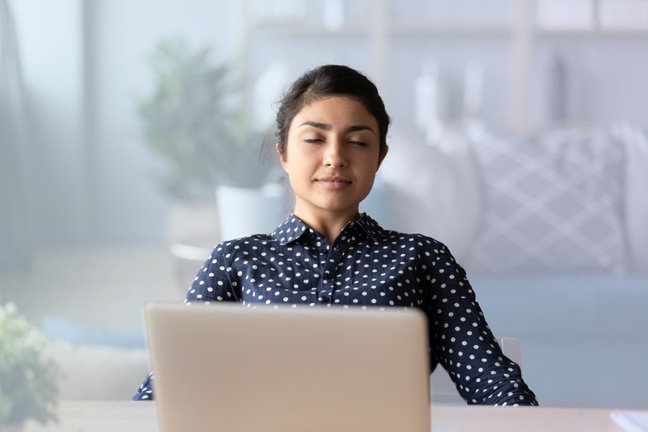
(553, 201)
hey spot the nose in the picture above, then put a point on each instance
(334, 155)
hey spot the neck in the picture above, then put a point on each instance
(329, 224)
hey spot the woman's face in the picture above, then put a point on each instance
(332, 155)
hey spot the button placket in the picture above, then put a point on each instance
(326, 280)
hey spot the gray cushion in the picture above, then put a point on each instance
(551, 202)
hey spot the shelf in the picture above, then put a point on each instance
(592, 32)
(386, 29)
(281, 28)
(447, 30)
(300, 29)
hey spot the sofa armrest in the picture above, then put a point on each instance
(94, 372)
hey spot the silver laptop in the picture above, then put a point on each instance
(226, 367)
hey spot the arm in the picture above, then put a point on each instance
(214, 280)
(464, 344)
(145, 390)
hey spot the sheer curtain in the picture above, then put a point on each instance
(15, 227)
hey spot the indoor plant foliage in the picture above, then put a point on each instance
(195, 121)
(28, 379)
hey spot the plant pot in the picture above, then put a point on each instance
(246, 211)
(192, 220)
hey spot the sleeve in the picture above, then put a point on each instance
(145, 390)
(216, 280)
(463, 343)
(212, 283)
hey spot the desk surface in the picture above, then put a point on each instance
(126, 416)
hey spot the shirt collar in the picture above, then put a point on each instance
(293, 228)
(370, 227)
(290, 230)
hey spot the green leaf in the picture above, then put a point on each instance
(28, 380)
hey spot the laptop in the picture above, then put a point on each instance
(226, 367)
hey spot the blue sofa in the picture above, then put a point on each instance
(552, 228)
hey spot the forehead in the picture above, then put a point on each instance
(336, 111)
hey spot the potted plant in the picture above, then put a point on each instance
(28, 379)
(194, 119)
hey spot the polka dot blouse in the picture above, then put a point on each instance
(367, 266)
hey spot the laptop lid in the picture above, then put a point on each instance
(226, 367)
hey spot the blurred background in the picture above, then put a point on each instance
(519, 139)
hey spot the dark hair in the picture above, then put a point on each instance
(330, 80)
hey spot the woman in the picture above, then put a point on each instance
(331, 139)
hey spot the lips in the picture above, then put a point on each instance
(334, 182)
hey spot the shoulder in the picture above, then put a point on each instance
(226, 254)
(424, 250)
(245, 241)
(256, 242)
(397, 239)
(420, 239)
(417, 241)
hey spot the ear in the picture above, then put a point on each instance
(282, 157)
(382, 157)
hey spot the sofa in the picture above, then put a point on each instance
(552, 229)
(98, 371)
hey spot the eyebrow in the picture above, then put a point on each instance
(328, 127)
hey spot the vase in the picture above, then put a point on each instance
(246, 211)
(188, 220)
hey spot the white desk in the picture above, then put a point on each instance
(126, 416)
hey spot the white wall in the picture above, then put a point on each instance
(50, 44)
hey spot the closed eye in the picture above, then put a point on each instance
(358, 143)
(313, 140)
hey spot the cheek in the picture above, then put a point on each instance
(370, 165)
(295, 167)
(287, 159)
(299, 157)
